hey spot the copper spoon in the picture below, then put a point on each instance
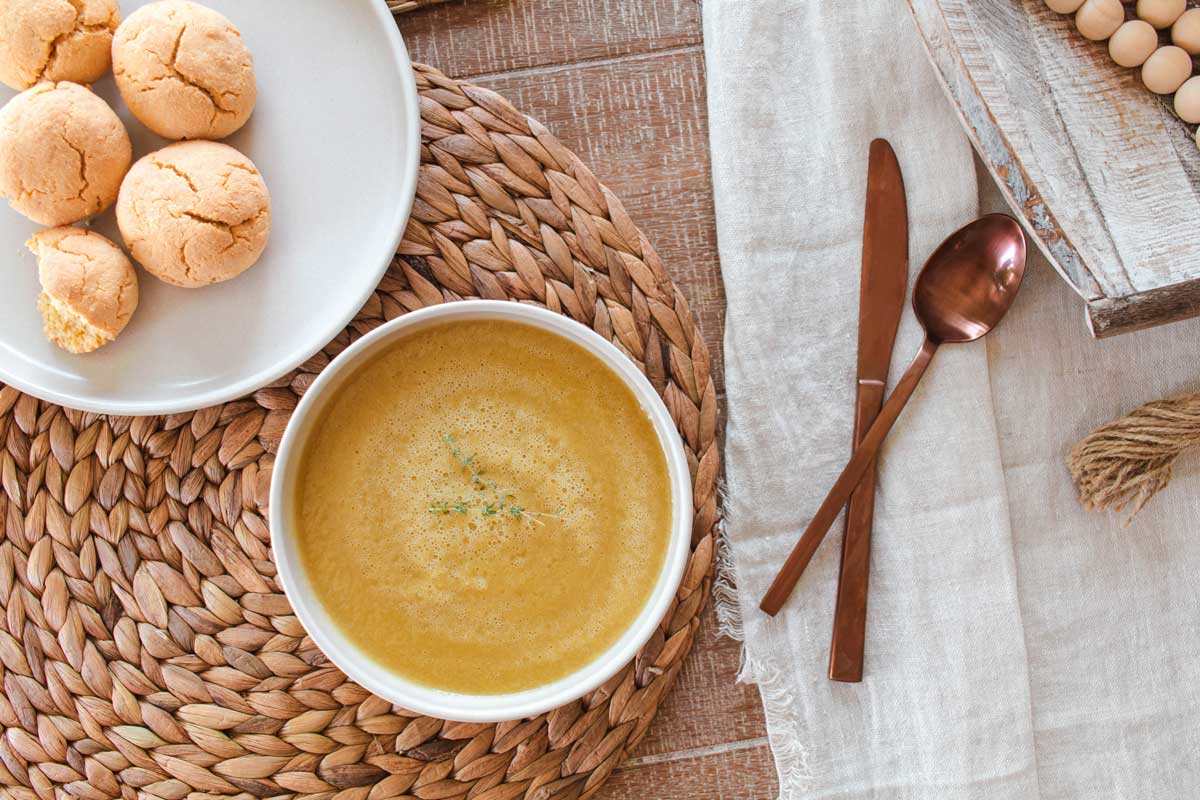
(964, 290)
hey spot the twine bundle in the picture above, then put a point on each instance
(1126, 462)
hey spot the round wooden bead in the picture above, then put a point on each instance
(1160, 13)
(1099, 19)
(1166, 69)
(1064, 6)
(1187, 100)
(1133, 43)
(1186, 31)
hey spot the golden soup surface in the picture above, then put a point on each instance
(485, 507)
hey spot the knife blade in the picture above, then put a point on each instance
(881, 301)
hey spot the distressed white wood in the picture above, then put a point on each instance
(1099, 168)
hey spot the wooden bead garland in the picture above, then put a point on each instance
(1064, 6)
(1099, 19)
(1132, 43)
(1160, 13)
(1187, 100)
(1166, 69)
(1186, 31)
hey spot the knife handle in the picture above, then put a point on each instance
(850, 612)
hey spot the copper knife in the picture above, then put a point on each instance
(880, 302)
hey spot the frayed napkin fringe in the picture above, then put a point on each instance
(779, 701)
(729, 611)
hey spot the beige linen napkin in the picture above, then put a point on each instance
(1017, 647)
(1111, 613)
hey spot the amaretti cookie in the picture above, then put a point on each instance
(55, 40)
(89, 287)
(184, 71)
(63, 153)
(195, 213)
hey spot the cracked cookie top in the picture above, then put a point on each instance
(55, 40)
(194, 213)
(63, 153)
(89, 281)
(184, 71)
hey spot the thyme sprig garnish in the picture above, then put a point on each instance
(489, 500)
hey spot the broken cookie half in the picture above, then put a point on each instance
(89, 287)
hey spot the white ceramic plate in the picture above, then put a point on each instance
(336, 136)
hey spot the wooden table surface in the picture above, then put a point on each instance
(622, 84)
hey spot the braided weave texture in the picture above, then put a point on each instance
(145, 646)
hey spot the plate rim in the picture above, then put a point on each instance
(312, 345)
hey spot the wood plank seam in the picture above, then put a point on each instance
(600, 61)
(695, 752)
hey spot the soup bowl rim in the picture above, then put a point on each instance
(432, 701)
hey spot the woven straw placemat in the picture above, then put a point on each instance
(144, 642)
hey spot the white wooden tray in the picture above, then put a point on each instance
(1100, 169)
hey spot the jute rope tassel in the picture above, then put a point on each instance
(1129, 460)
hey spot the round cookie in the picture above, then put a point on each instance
(195, 213)
(184, 71)
(89, 287)
(63, 153)
(55, 40)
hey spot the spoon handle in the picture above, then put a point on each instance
(863, 455)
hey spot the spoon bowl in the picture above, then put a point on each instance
(964, 290)
(970, 281)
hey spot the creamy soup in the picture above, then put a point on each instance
(485, 507)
